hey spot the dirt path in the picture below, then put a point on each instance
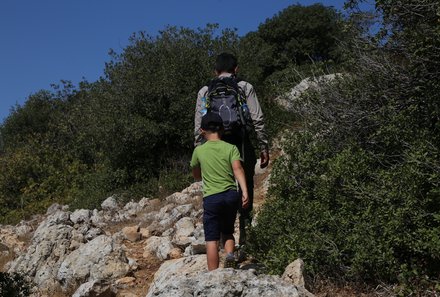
(144, 275)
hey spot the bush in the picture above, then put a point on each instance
(357, 192)
(14, 285)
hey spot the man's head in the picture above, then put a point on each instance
(211, 123)
(226, 62)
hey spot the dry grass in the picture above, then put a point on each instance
(325, 287)
(5, 257)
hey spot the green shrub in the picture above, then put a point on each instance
(14, 285)
(357, 194)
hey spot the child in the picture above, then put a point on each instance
(217, 162)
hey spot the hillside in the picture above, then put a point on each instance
(352, 99)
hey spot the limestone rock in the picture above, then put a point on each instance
(132, 233)
(80, 216)
(294, 273)
(175, 253)
(167, 217)
(291, 99)
(49, 246)
(184, 227)
(194, 189)
(110, 204)
(179, 198)
(168, 232)
(92, 233)
(100, 259)
(159, 246)
(188, 277)
(95, 289)
(144, 202)
(125, 280)
(145, 233)
(54, 208)
(23, 229)
(132, 208)
(97, 218)
(184, 232)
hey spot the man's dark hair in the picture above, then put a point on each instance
(225, 62)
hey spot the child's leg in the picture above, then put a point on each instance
(211, 226)
(228, 243)
(212, 254)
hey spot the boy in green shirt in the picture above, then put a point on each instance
(217, 163)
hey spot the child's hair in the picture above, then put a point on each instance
(212, 122)
(226, 62)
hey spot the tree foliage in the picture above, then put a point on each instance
(295, 36)
(125, 133)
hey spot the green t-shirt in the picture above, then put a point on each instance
(215, 159)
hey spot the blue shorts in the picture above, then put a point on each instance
(219, 212)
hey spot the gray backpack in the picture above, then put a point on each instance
(227, 100)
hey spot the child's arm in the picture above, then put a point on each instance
(195, 165)
(197, 173)
(239, 175)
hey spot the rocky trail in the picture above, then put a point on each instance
(148, 248)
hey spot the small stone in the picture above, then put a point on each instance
(175, 253)
(132, 233)
(53, 208)
(95, 288)
(168, 232)
(159, 246)
(125, 280)
(110, 204)
(154, 203)
(144, 202)
(145, 233)
(80, 216)
(132, 263)
(294, 273)
(188, 251)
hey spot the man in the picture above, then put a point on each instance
(226, 66)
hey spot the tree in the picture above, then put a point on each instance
(296, 35)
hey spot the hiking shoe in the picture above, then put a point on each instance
(230, 261)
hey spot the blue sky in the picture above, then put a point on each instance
(44, 41)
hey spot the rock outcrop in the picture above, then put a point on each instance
(100, 259)
(188, 277)
(289, 99)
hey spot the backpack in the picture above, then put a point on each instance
(225, 98)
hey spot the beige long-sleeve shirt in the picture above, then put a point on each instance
(254, 107)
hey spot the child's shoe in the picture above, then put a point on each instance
(230, 261)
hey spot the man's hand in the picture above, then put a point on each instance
(264, 156)
(244, 200)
